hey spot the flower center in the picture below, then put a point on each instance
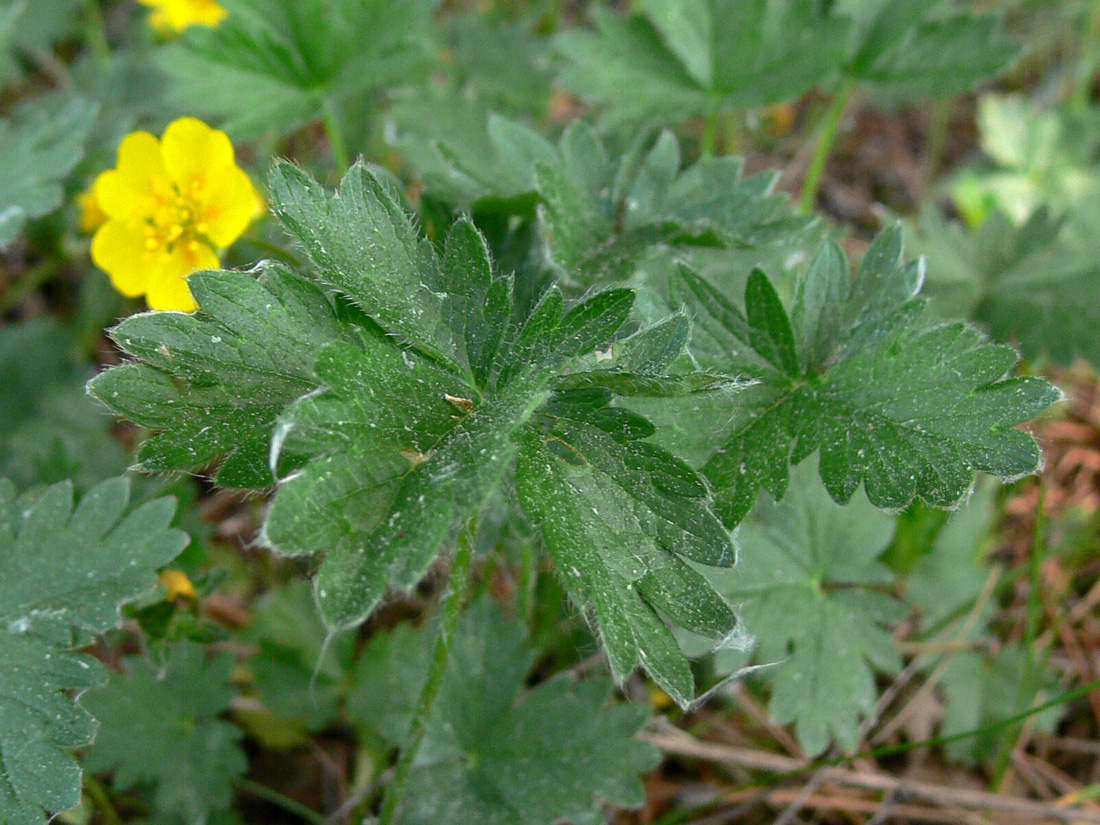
(177, 220)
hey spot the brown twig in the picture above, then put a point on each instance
(681, 743)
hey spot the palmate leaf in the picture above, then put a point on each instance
(62, 567)
(40, 146)
(621, 520)
(495, 753)
(803, 586)
(600, 216)
(1035, 285)
(679, 58)
(160, 729)
(915, 48)
(213, 382)
(904, 408)
(408, 442)
(288, 57)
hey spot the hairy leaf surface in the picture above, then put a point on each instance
(905, 409)
(917, 48)
(212, 383)
(61, 567)
(678, 58)
(160, 728)
(288, 57)
(494, 752)
(1033, 285)
(803, 585)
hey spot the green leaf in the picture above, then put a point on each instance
(983, 690)
(214, 382)
(397, 465)
(915, 48)
(679, 58)
(1037, 157)
(300, 677)
(905, 409)
(494, 752)
(40, 145)
(362, 242)
(504, 60)
(621, 520)
(1033, 284)
(802, 582)
(160, 728)
(600, 218)
(27, 27)
(288, 57)
(49, 429)
(949, 579)
(59, 567)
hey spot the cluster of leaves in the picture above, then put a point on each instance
(587, 337)
(675, 59)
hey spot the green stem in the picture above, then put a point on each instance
(96, 32)
(939, 130)
(825, 139)
(1090, 60)
(710, 131)
(452, 609)
(335, 134)
(28, 282)
(285, 802)
(101, 799)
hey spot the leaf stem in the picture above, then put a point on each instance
(452, 609)
(96, 31)
(101, 799)
(335, 134)
(710, 130)
(825, 139)
(29, 282)
(1090, 60)
(281, 800)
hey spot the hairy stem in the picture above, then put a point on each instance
(452, 609)
(825, 139)
(96, 32)
(335, 132)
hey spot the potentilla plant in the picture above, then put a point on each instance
(395, 397)
(565, 361)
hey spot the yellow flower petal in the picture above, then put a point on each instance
(193, 152)
(118, 248)
(176, 15)
(168, 283)
(177, 586)
(137, 185)
(229, 206)
(91, 215)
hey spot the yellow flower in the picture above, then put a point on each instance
(177, 586)
(173, 16)
(171, 203)
(91, 216)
